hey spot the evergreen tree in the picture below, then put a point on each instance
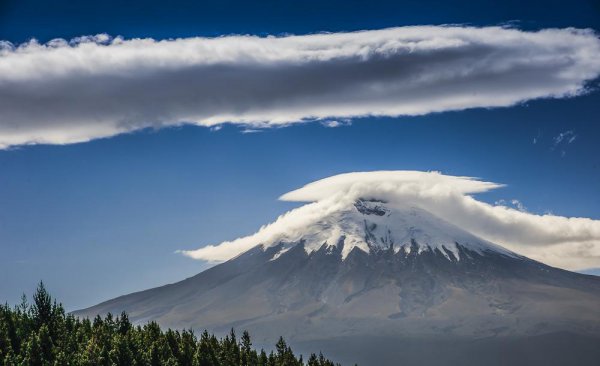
(120, 353)
(246, 350)
(187, 348)
(285, 356)
(230, 351)
(206, 354)
(262, 359)
(160, 353)
(42, 306)
(123, 324)
(312, 360)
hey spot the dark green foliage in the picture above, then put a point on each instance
(41, 334)
(42, 306)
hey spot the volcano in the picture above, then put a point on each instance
(385, 282)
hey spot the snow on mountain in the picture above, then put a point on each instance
(372, 225)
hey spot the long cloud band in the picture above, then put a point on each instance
(92, 87)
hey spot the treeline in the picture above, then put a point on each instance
(41, 334)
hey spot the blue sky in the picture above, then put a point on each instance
(98, 219)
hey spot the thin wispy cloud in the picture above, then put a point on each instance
(567, 242)
(537, 137)
(92, 87)
(567, 137)
(562, 140)
(336, 123)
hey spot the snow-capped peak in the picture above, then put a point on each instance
(372, 225)
(374, 210)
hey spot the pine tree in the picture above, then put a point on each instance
(42, 306)
(187, 348)
(313, 360)
(230, 352)
(272, 359)
(120, 353)
(123, 324)
(160, 353)
(246, 350)
(262, 359)
(285, 356)
(206, 354)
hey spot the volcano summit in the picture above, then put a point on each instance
(375, 272)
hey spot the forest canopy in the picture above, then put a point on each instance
(41, 333)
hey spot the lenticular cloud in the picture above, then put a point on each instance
(572, 243)
(91, 87)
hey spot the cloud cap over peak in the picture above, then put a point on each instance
(91, 87)
(379, 184)
(567, 242)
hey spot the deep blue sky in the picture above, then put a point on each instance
(103, 218)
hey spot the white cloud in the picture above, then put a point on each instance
(515, 203)
(566, 242)
(519, 205)
(251, 130)
(331, 124)
(336, 123)
(91, 87)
